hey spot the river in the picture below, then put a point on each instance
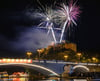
(59, 79)
(34, 75)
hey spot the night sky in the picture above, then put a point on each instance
(17, 34)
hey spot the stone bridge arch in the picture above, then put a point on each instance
(39, 68)
(80, 68)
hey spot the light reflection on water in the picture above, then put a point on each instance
(27, 79)
(14, 79)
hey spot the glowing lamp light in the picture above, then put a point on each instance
(17, 60)
(8, 60)
(29, 61)
(12, 60)
(21, 60)
(25, 60)
(4, 60)
(93, 58)
(79, 54)
(0, 60)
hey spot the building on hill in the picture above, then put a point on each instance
(65, 45)
(71, 46)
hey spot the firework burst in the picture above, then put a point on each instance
(64, 16)
(47, 20)
(68, 14)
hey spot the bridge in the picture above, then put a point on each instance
(49, 68)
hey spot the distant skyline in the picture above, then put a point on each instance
(17, 32)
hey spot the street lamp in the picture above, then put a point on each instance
(65, 56)
(39, 52)
(94, 59)
(79, 55)
(29, 54)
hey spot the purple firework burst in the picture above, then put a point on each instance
(68, 14)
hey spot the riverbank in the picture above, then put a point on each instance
(93, 75)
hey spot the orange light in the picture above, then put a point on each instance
(8, 60)
(79, 54)
(15, 61)
(4, 60)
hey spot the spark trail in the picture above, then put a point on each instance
(68, 14)
(48, 18)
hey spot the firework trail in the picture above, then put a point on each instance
(48, 17)
(68, 14)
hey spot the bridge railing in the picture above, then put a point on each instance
(63, 62)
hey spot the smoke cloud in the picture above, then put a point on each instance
(31, 39)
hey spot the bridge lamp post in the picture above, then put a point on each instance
(65, 57)
(79, 55)
(29, 54)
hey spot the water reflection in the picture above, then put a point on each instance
(14, 79)
(65, 80)
(59, 79)
(20, 79)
